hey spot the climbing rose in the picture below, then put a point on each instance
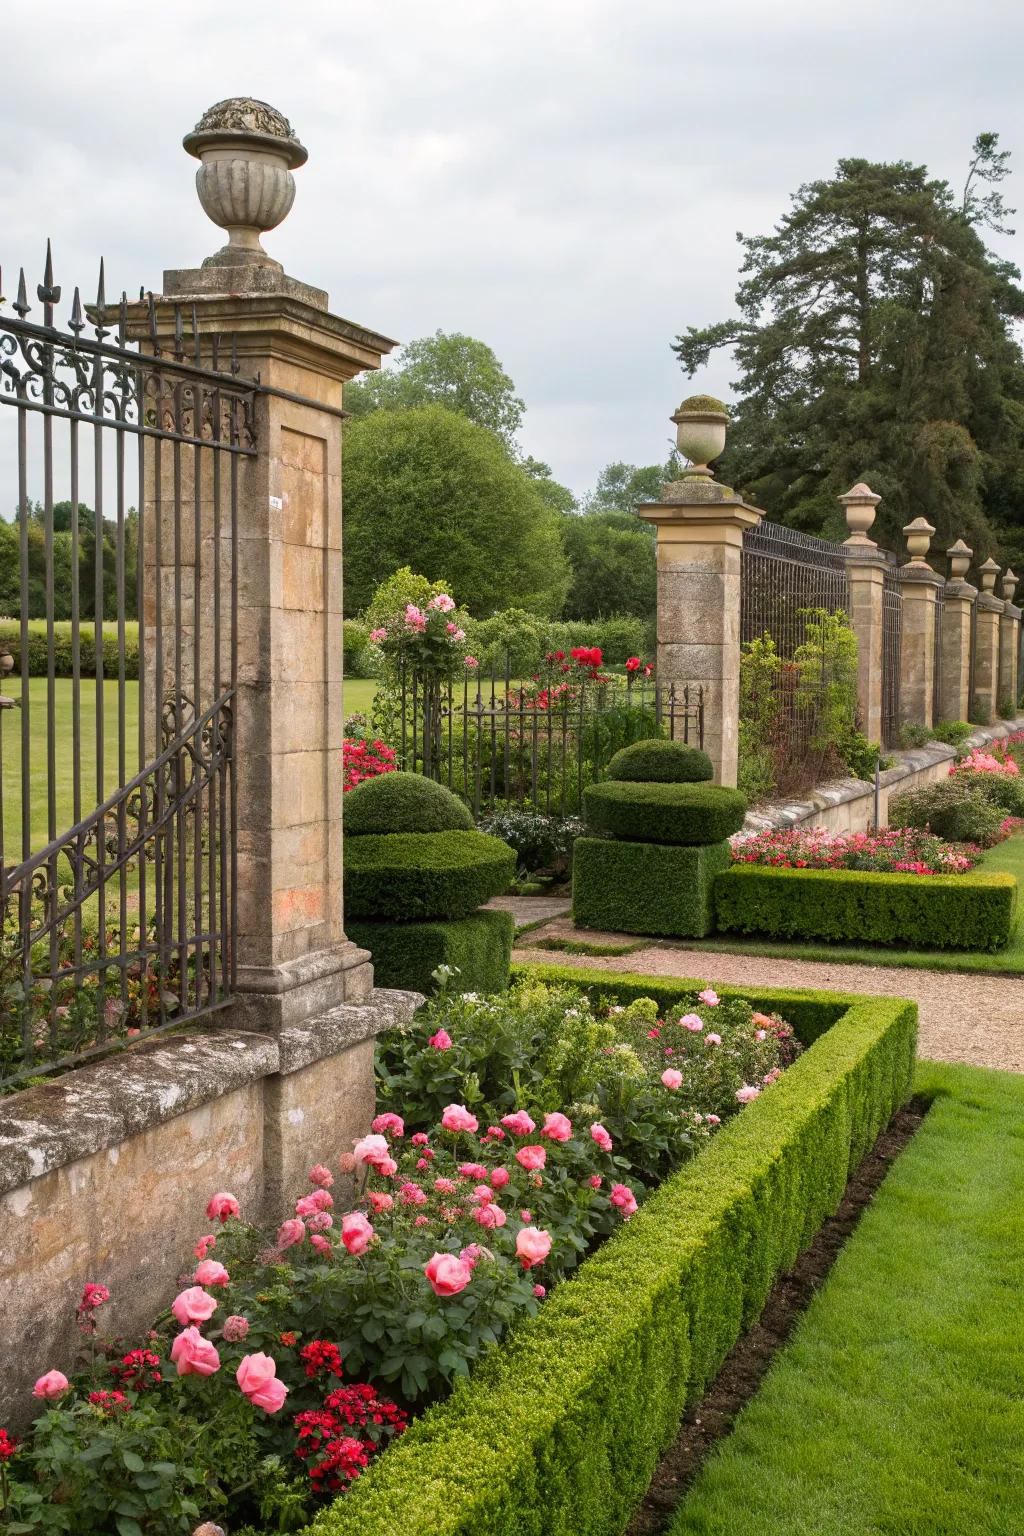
(623, 1197)
(531, 1158)
(193, 1305)
(747, 1093)
(204, 1245)
(51, 1385)
(519, 1124)
(257, 1377)
(599, 1135)
(388, 1124)
(290, 1232)
(356, 1233)
(221, 1206)
(447, 1274)
(442, 602)
(209, 1272)
(319, 1200)
(557, 1127)
(457, 1117)
(194, 1355)
(532, 1246)
(442, 1041)
(672, 1079)
(322, 1177)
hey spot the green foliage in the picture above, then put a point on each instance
(428, 486)
(623, 487)
(64, 576)
(875, 340)
(512, 638)
(661, 762)
(618, 637)
(560, 1430)
(477, 948)
(651, 888)
(10, 635)
(953, 732)
(860, 755)
(826, 661)
(664, 813)
(403, 802)
(759, 717)
(405, 876)
(960, 808)
(361, 659)
(972, 911)
(612, 558)
(541, 842)
(451, 370)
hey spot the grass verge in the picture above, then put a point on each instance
(897, 1407)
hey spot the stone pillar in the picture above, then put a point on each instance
(700, 527)
(919, 585)
(293, 958)
(865, 569)
(1009, 647)
(957, 620)
(986, 660)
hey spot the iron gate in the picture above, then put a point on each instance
(117, 889)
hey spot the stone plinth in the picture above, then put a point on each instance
(919, 585)
(957, 618)
(986, 661)
(1009, 652)
(700, 528)
(865, 569)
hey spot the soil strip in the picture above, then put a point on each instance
(712, 1418)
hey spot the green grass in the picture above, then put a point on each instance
(357, 694)
(898, 1406)
(1007, 856)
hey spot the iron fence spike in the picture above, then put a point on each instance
(21, 304)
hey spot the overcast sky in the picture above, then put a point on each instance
(562, 178)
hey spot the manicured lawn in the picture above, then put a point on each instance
(357, 695)
(898, 1407)
(1007, 856)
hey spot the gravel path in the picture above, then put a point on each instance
(973, 1019)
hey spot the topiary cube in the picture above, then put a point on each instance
(665, 813)
(479, 947)
(656, 888)
(662, 762)
(406, 876)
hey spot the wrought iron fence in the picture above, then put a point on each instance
(117, 890)
(496, 738)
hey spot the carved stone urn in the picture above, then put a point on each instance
(700, 431)
(247, 151)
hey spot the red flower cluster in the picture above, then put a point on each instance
(364, 760)
(319, 1355)
(587, 655)
(137, 1370)
(110, 1402)
(905, 850)
(335, 1458)
(8, 1445)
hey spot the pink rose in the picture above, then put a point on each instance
(473, 1252)
(388, 1124)
(442, 1041)
(447, 1274)
(52, 1385)
(600, 1136)
(709, 996)
(532, 1246)
(483, 1194)
(499, 1178)
(531, 1158)
(557, 1127)
(347, 1162)
(387, 1167)
(420, 1139)
(380, 1200)
(194, 1355)
(321, 1176)
(235, 1328)
(473, 1170)
(692, 1022)
(672, 1079)
(412, 1194)
(595, 1181)
(539, 1292)
(712, 1039)
(356, 1233)
(745, 1094)
(290, 1232)
(320, 1221)
(319, 1200)
(623, 1197)
(193, 1306)
(713, 1120)
(209, 1272)
(204, 1245)
(445, 1186)
(519, 1124)
(221, 1206)
(490, 1216)
(321, 1245)
(458, 1118)
(371, 1150)
(257, 1377)
(760, 1034)
(526, 1217)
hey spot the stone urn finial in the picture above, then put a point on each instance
(960, 556)
(247, 151)
(1009, 584)
(988, 573)
(860, 503)
(700, 432)
(918, 535)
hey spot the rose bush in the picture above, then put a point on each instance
(896, 850)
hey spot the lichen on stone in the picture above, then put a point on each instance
(703, 403)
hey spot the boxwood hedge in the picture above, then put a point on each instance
(657, 760)
(652, 888)
(972, 911)
(404, 954)
(559, 1430)
(403, 802)
(409, 875)
(665, 813)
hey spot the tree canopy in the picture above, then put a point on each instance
(426, 487)
(876, 341)
(612, 558)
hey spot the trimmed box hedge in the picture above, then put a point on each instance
(403, 802)
(664, 813)
(63, 659)
(665, 762)
(972, 911)
(655, 888)
(560, 1429)
(408, 875)
(479, 947)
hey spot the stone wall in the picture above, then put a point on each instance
(105, 1172)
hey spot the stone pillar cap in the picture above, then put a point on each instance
(959, 548)
(919, 525)
(246, 118)
(859, 493)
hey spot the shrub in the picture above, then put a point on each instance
(541, 842)
(560, 1430)
(409, 875)
(662, 762)
(972, 911)
(404, 802)
(860, 755)
(10, 634)
(955, 808)
(665, 813)
(478, 948)
(651, 888)
(897, 850)
(361, 659)
(953, 732)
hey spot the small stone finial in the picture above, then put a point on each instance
(918, 535)
(988, 573)
(860, 503)
(247, 152)
(700, 432)
(959, 556)
(1009, 584)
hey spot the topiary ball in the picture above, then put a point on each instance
(403, 802)
(661, 762)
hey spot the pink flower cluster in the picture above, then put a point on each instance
(905, 850)
(364, 760)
